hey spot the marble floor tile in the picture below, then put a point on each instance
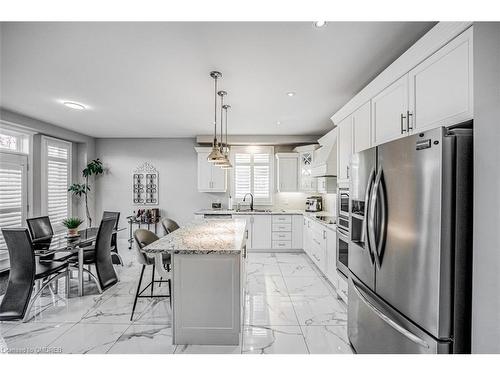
(307, 286)
(85, 338)
(34, 337)
(157, 312)
(294, 258)
(319, 310)
(269, 310)
(327, 339)
(208, 349)
(144, 339)
(262, 268)
(289, 269)
(116, 310)
(267, 258)
(263, 284)
(273, 340)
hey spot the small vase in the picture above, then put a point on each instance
(72, 232)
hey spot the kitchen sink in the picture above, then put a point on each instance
(254, 210)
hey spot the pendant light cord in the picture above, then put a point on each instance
(215, 113)
(221, 115)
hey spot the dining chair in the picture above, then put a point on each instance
(40, 230)
(169, 225)
(115, 256)
(143, 238)
(25, 271)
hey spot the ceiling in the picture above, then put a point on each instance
(152, 79)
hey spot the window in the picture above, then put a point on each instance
(11, 140)
(253, 173)
(56, 178)
(13, 197)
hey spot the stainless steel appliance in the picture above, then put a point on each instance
(343, 201)
(314, 204)
(410, 250)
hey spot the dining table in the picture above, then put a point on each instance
(62, 242)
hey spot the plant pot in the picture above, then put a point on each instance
(72, 232)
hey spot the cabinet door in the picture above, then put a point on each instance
(331, 254)
(389, 111)
(204, 172)
(307, 236)
(287, 178)
(441, 86)
(307, 182)
(297, 231)
(261, 232)
(248, 218)
(361, 123)
(218, 179)
(321, 185)
(344, 147)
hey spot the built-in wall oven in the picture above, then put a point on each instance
(343, 230)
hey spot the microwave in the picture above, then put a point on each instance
(343, 202)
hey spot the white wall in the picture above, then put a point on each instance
(486, 264)
(176, 161)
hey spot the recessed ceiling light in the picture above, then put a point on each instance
(278, 122)
(291, 93)
(74, 105)
(319, 24)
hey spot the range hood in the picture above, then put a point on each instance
(325, 157)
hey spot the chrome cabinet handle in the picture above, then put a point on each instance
(408, 115)
(403, 130)
(324, 234)
(389, 321)
(347, 171)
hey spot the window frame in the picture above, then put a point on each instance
(253, 150)
(45, 140)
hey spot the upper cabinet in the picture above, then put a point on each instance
(211, 178)
(389, 111)
(287, 171)
(344, 148)
(307, 183)
(429, 86)
(361, 128)
(441, 86)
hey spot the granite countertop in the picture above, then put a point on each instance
(225, 236)
(209, 211)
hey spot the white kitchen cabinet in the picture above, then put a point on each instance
(441, 87)
(306, 236)
(361, 128)
(390, 111)
(249, 231)
(211, 178)
(288, 168)
(261, 232)
(331, 255)
(344, 148)
(318, 245)
(297, 231)
(307, 183)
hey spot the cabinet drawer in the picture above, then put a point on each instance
(282, 236)
(287, 227)
(282, 244)
(281, 219)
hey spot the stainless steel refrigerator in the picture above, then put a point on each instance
(410, 250)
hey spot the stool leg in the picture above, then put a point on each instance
(152, 280)
(137, 293)
(170, 291)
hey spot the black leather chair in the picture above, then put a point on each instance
(41, 231)
(101, 257)
(115, 256)
(143, 238)
(24, 271)
(169, 225)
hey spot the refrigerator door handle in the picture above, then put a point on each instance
(365, 217)
(412, 337)
(383, 219)
(371, 220)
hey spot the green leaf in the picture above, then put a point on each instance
(72, 222)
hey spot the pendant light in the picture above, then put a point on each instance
(228, 164)
(215, 155)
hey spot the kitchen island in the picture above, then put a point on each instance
(208, 279)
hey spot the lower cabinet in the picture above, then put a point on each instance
(261, 232)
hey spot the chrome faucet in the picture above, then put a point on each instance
(251, 202)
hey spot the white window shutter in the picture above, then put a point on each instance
(56, 200)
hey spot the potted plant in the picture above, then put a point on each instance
(72, 223)
(93, 168)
